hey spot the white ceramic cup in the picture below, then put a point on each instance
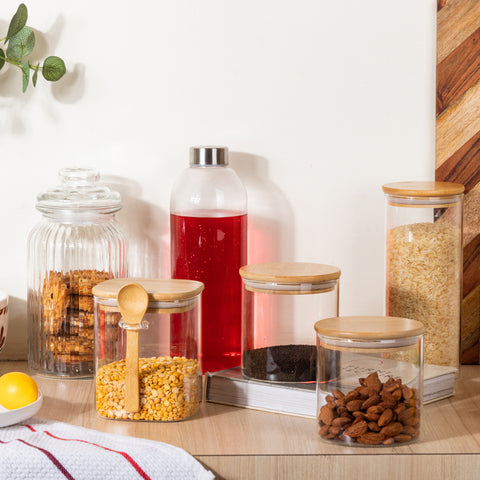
(3, 319)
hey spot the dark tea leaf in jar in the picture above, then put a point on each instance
(281, 363)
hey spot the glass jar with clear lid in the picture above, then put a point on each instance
(75, 246)
(424, 262)
(167, 385)
(281, 303)
(369, 380)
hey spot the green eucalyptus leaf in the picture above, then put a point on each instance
(18, 21)
(35, 75)
(21, 44)
(26, 75)
(53, 69)
(2, 58)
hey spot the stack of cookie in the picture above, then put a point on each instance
(68, 316)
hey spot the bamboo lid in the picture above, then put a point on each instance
(157, 289)
(369, 328)
(290, 272)
(423, 189)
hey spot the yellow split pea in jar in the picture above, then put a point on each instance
(169, 371)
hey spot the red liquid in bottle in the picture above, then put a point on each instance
(211, 250)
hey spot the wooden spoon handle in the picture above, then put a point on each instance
(132, 399)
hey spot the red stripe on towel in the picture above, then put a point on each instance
(125, 455)
(51, 457)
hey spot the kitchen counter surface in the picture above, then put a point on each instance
(241, 443)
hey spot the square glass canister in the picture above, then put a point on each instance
(167, 385)
(369, 380)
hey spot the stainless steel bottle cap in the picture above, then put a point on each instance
(208, 155)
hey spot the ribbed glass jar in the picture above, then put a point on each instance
(75, 246)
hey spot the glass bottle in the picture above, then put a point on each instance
(208, 224)
(76, 245)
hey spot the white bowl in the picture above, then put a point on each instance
(3, 318)
(10, 417)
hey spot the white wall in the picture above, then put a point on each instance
(320, 101)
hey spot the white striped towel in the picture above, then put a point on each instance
(51, 450)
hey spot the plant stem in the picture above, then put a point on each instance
(12, 62)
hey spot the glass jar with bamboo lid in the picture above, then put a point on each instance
(281, 303)
(369, 380)
(424, 263)
(147, 364)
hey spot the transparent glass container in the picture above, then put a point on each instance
(369, 380)
(281, 303)
(208, 224)
(76, 245)
(424, 262)
(169, 366)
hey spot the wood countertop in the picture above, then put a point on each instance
(241, 443)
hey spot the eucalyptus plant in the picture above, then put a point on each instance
(19, 44)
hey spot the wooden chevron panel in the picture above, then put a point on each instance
(458, 72)
(458, 143)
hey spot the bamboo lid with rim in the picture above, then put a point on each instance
(158, 289)
(290, 272)
(369, 327)
(423, 189)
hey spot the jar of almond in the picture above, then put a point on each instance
(369, 380)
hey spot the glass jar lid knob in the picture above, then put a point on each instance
(79, 191)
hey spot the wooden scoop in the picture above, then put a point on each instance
(132, 301)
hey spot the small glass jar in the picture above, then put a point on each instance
(424, 262)
(168, 351)
(281, 303)
(369, 380)
(77, 245)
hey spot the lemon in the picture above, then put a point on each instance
(17, 390)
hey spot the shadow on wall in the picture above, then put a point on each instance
(270, 216)
(146, 227)
(16, 345)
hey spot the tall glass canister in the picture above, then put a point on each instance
(76, 245)
(424, 264)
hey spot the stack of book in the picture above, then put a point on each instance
(231, 388)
